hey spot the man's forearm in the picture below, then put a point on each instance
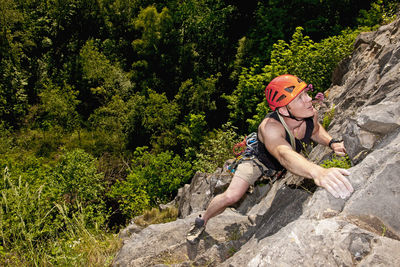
(297, 164)
(321, 136)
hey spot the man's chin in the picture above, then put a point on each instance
(308, 114)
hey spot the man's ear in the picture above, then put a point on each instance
(283, 111)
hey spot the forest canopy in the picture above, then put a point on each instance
(108, 107)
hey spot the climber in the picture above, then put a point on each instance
(281, 136)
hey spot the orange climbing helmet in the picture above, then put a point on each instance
(283, 89)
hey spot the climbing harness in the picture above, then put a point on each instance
(247, 150)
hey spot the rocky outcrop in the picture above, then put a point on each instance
(285, 225)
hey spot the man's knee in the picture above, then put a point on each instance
(232, 197)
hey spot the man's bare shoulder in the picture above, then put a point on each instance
(270, 128)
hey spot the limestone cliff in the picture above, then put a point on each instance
(283, 225)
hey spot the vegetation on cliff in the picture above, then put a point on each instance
(108, 107)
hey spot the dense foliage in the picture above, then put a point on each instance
(108, 107)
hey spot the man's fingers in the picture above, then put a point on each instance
(341, 154)
(331, 191)
(339, 149)
(346, 182)
(337, 184)
(343, 171)
(339, 188)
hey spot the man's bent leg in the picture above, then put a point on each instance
(246, 174)
(236, 189)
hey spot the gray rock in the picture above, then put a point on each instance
(380, 196)
(381, 118)
(166, 243)
(327, 242)
(196, 196)
(131, 229)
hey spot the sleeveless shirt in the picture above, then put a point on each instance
(270, 161)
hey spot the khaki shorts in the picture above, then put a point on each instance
(249, 171)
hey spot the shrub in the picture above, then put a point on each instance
(76, 180)
(58, 107)
(328, 117)
(153, 179)
(53, 215)
(216, 149)
(27, 216)
(131, 195)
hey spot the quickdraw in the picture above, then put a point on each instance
(247, 147)
(245, 150)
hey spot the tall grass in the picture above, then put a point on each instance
(155, 216)
(34, 232)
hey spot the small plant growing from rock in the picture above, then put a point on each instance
(235, 235)
(383, 229)
(337, 162)
(231, 252)
(328, 117)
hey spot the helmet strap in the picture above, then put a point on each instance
(291, 115)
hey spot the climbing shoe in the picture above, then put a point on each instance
(197, 229)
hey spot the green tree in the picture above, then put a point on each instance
(381, 11)
(204, 34)
(104, 78)
(277, 20)
(216, 149)
(13, 77)
(313, 62)
(151, 120)
(197, 97)
(190, 134)
(159, 114)
(156, 49)
(131, 196)
(109, 124)
(247, 95)
(58, 107)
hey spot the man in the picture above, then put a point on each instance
(281, 137)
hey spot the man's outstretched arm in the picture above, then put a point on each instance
(332, 179)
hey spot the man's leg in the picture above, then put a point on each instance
(236, 189)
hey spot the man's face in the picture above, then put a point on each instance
(301, 106)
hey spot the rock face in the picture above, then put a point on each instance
(283, 225)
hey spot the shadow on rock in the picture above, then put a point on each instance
(205, 242)
(286, 207)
